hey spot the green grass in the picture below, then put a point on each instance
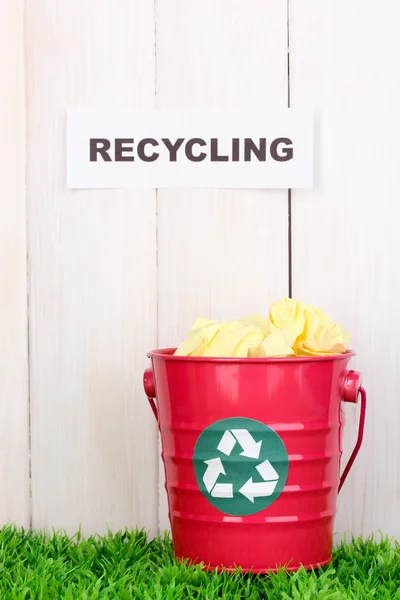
(126, 565)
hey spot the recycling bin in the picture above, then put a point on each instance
(251, 450)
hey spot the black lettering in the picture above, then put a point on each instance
(141, 153)
(120, 148)
(173, 148)
(100, 146)
(286, 152)
(235, 150)
(215, 157)
(259, 152)
(189, 150)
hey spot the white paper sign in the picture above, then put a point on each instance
(160, 148)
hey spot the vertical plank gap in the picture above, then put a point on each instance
(290, 246)
(158, 441)
(28, 322)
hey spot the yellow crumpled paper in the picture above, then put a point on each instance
(292, 329)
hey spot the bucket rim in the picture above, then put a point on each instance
(168, 355)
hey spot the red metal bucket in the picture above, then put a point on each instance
(251, 450)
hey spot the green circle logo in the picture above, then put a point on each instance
(241, 465)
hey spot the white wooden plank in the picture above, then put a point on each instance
(344, 59)
(93, 277)
(14, 408)
(222, 253)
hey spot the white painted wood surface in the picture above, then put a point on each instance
(14, 411)
(221, 254)
(93, 277)
(345, 61)
(98, 302)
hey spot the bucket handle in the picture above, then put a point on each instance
(351, 391)
(150, 390)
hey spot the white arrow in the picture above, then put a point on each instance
(251, 448)
(227, 443)
(253, 490)
(213, 471)
(222, 490)
(267, 471)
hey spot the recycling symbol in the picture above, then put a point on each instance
(241, 465)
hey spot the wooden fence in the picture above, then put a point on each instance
(91, 280)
